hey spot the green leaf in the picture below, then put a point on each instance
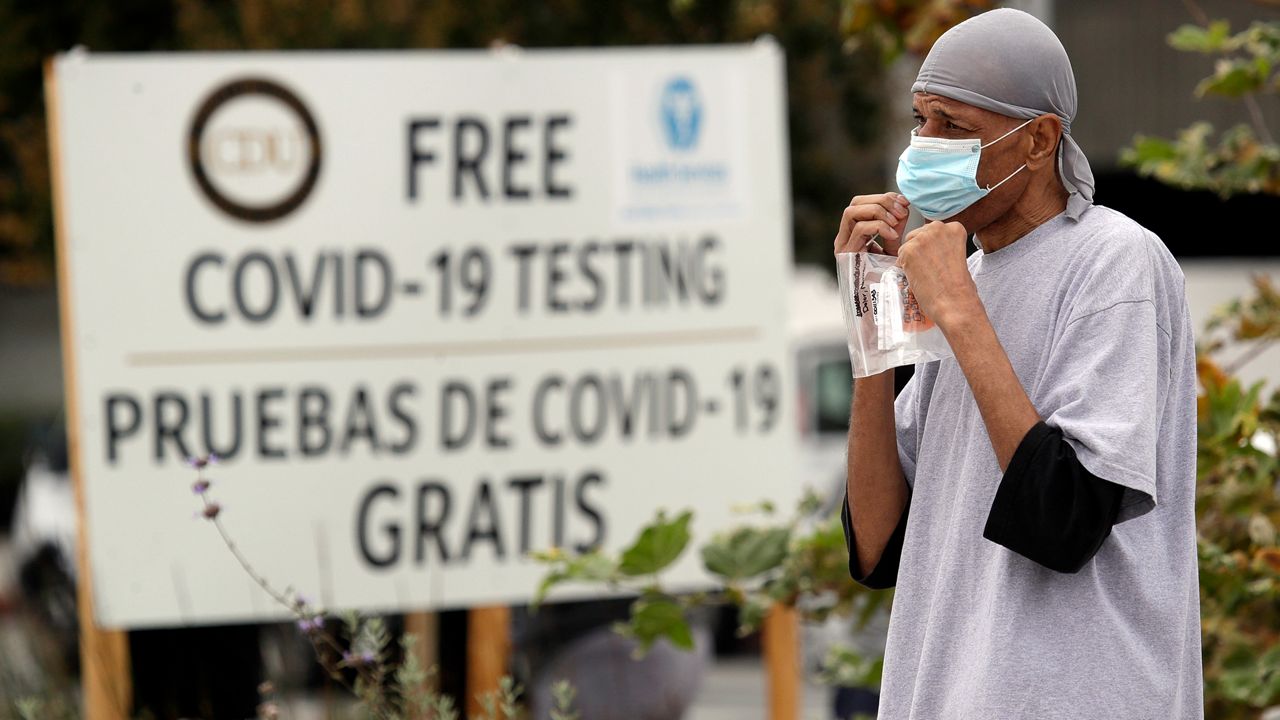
(590, 567)
(657, 547)
(1195, 38)
(29, 708)
(351, 620)
(746, 552)
(1236, 162)
(1150, 149)
(1234, 77)
(844, 666)
(1261, 39)
(563, 692)
(442, 708)
(751, 613)
(411, 679)
(653, 618)
(871, 603)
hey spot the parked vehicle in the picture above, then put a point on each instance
(43, 539)
(825, 388)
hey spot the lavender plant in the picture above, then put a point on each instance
(356, 650)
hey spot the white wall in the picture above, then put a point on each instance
(1211, 282)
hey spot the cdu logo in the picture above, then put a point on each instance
(254, 149)
(681, 111)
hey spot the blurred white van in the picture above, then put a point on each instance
(825, 382)
(825, 388)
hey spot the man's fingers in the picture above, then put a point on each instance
(893, 202)
(856, 239)
(891, 246)
(861, 211)
(913, 236)
(869, 228)
(867, 215)
(846, 241)
(873, 211)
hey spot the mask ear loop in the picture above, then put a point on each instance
(1015, 172)
(1062, 173)
(989, 188)
(993, 142)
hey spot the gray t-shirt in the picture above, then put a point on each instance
(1093, 316)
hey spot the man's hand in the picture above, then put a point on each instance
(869, 215)
(933, 257)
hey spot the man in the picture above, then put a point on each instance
(1032, 498)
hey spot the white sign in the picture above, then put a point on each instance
(434, 310)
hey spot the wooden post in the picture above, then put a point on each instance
(105, 678)
(781, 636)
(425, 629)
(488, 652)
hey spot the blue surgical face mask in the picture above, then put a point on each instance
(940, 176)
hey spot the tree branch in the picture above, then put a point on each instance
(1197, 13)
(1259, 123)
(1260, 346)
(1250, 102)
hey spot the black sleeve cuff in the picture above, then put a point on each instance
(1048, 507)
(885, 573)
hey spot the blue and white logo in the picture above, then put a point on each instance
(678, 144)
(681, 113)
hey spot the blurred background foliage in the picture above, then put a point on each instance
(1238, 488)
(1238, 512)
(1244, 158)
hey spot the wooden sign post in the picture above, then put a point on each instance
(782, 662)
(425, 629)
(488, 652)
(105, 677)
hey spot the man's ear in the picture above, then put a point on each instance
(1046, 131)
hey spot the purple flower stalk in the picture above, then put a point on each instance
(211, 510)
(199, 463)
(351, 659)
(200, 486)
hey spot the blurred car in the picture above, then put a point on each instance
(43, 538)
(824, 382)
(825, 389)
(167, 682)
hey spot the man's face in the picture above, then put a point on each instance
(940, 117)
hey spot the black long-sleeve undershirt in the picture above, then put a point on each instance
(885, 573)
(1048, 508)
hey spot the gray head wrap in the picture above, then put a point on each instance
(1010, 63)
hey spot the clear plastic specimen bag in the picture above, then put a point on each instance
(885, 324)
